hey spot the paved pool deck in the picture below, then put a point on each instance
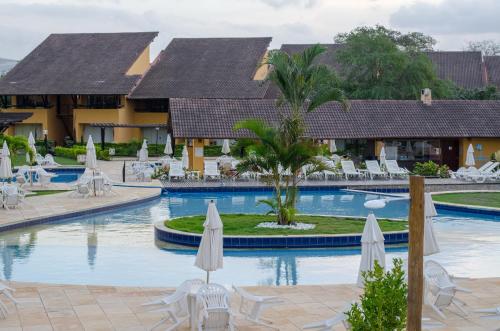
(45, 307)
(54, 205)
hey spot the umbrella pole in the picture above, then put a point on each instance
(208, 277)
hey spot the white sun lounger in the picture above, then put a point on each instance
(210, 170)
(395, 170)
(176, 170)
(374, 169)
(349, 169)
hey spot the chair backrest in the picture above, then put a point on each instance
(336, 158)
(214, 299)
(491, 168)
(49, 159)
(176, 167)
(39, 159)
(11, 195)
(348, 166)
(437, 275)
(372, 166)
(485, 166)
(392, 165)
(211, 166)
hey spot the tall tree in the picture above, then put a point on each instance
(487, 47)
(379, 63)
(304, 86)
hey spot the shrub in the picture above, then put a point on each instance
(73, 152)
(497, 155)
(384, 302)
(431, 168)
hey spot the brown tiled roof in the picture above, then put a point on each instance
(215, 118)
(492, 64)
(205, 67)
(79, 63)
(465, 69)
(7, 119)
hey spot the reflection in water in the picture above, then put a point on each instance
(118, 248)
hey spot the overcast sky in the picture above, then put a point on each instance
(25, 23)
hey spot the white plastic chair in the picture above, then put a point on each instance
(43, 177)
(175, 305)
(374, 169)
(23, 175)
(9, 294)
(49, 160)
(331, 171)
(330, 323)
(176, 170)
(12, 196)
(480, 176)
(394, 170)
(441, 289)
(252, 306)
(210, 170)
(40, 160)
(215, 313)
(349, 169)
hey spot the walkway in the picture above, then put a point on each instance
(64, 307)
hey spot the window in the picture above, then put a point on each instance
(5, 101)
(152, 106)
(95, 132)
(32, 101)
(150, 134)
(413, 150)
(102, 101)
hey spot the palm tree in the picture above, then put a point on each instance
(278, 161)
(304, 86)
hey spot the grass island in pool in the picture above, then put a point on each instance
(245, 224)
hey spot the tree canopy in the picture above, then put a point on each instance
(379, 63)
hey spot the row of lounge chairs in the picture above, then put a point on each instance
(48, 160)
(488, 171)
(347, 170)
(28, 175)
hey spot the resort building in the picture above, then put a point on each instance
(73, 80)
(103, 84)
(412, 131)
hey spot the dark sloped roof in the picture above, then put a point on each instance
(492, 64)
(465, 69)
(7, 119)
(80, 63)
(205, 67)
(215, 118)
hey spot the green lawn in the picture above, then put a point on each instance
(20, 160)
(486, 199)
(242, 224)
(44, 192)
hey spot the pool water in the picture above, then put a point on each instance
(118, 248)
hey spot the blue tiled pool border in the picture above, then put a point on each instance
(256, 242)
(467, 209)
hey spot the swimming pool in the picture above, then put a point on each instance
(118, 248)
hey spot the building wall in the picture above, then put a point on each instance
(83, 116)
(262, 70)
(141, 64)
(47, 117)
(487, 147)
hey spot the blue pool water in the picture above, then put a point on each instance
(65, 175)
(118, 248)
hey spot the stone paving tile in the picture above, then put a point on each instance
(58, 308)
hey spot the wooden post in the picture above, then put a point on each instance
(416, 254)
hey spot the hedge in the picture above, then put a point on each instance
(74, 151)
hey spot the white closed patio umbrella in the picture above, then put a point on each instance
(430, 242)
(185, 158)
(168, 146)
(90, 158)
(372, 247)
(31, 144)
(143, 152)
(5, 165)
(332, 146)
(210, 253)
(382, 156)
(469, 160)
(225, 147)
